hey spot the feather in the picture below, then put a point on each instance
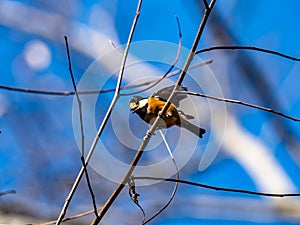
(192, 127)
(164, 94)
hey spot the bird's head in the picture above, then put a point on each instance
(136, 103)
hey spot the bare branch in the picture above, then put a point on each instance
(77, 95)
(205, 4)
(224, 47)
(236, 47)
(107, 115)
(194, 46)
(40, 92)
(115, 47)
(68, 218)
(147, 137)
(280, 195)
(116, 96)
(81, 130)
(216, 188)
(176, 183)
(169, 70)
(7, 192)
(103, 91)
(89, 186)
(134, 195)
(241, 103)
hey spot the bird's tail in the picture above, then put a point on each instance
(192, 127)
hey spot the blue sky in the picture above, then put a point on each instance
(256, 150)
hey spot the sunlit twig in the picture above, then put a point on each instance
(103, 124)
(80, 215)
(156, 122)
(108, 203)
(115, 47)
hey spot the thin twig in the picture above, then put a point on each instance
(68, 218)
(188, 61)
(134, 195)
(185, 67)
(7, 192)
(169, 70)
(225, 47)
(149, 133)
(115, 47)
(235, 47)
(103, 91)
(216, 188)
(281, 195)
(181, 77)
(194, 46)
(176, 183)
(116, 96)
(166, 144)
(241, 103)
(205, 4)
(89, 186)
(101, 128)
(40, 92)
(81, 128)
(77, 95)
(171, 74)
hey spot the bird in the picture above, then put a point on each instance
(148, 109)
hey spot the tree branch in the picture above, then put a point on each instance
(81, 128)
(280, 195)
(7, 192)
(103, 124)
(241, 103)
(236, 47)
(169, 70)
(147, 137)
(109, 202)
(103, 91)
(176, 183)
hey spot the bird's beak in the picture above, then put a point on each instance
(134, 110)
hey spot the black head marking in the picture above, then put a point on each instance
(134, 103)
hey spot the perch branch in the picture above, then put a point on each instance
(107, 115)
(147, 137)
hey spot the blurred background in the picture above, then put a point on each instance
(259, 151)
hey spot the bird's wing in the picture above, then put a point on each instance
(166, 92)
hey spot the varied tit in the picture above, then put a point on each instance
(148, 109)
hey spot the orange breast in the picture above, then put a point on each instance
(170, 118)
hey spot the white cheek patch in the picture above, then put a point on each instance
(143, 103)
